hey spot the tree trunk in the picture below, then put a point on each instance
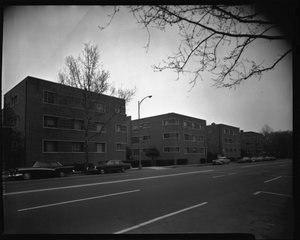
(86, 149)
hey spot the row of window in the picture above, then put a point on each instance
(252, 143)
(76, 124)
(76, 102)
(170, 135)
(51, 146)
(173, 149)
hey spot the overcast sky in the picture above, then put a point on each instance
(37, 39)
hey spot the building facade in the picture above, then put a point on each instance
(53, 121)
(251, 144)
(223, 140)
(175, 136)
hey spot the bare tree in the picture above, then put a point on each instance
(214, 38)
(87, 73)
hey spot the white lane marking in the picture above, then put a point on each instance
(231, 174)
(77, 200)
(278, 194)
(102, 183)
(218, 176)
(272, 179)
(257, 165)
(159, 218)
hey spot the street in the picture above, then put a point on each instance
(251, 198)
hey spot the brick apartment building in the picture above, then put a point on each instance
(223, 140)
(49, 119)
(175, 136)
(251, 144)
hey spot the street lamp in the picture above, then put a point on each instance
(140, 152)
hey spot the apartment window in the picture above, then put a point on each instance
(100, 147)
(170, 121)
(77, 146)
(145, 138)
(201, 138)
(189, 150)
(193, 125)
(190, 137)
(120, 109)
(100, 126)
(136, 152)
(121, 128)
(134, 140)
(171, 135)
(50, 97)
(14, 100)
(101, 107)
(50, 122)
(172, 149)
(77, 124)
(134, 127)
(50, 146)
(14, 122)
(121, 146)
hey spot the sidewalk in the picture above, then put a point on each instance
(169, 167)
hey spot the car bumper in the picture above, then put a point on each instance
(15, 175)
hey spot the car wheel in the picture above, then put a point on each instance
(102, 171)
(61, 174)
(123, 170)
(26, 176)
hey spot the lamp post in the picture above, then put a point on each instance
(140, 152)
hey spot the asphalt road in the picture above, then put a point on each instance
(254, 198)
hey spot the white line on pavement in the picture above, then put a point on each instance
(159, 218)
(77, 200)
(272, 179)
(101, 183)
(257, 165)
(218, 176)
(231, 174)
(278, 194)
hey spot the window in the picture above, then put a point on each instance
(100, 147)
(121, 128)
(101, 107)
(14, 122)
(120, 109)
(190, 137)
(50, 122)
(189, 150)
(136, 152)
(14, 100)
(171, 135)
(134, 140)
(121, 146)
(77, 146)
(50, 146)
(145, 138)
(100, 126)
(171, 149)
(193, 125)
(170, 121)
(134, 127)
(50, 97)
(77, 124)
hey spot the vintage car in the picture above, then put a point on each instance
(221, 161)
(257, 159)
(41, 169)
(109, 166)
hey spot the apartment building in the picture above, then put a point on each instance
(251, 144)
(223, 140)
(51, 120)
(175, 136)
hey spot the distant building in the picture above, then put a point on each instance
(175, 136)
(223, 140)
(49, 117)
(251, 144)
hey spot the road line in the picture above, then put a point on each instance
(272, 179)
(278, 194)
(77, 200)
(218, 176)
(159, 218)
(102, 183)
(231, 174)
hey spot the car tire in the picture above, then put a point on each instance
(26, 176)
(123, 170)
(102, 171)
(61, 174)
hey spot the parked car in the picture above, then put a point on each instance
(269, 158)
(109, 166)
(257, 159)
(245, 159)
(221, 161)
(41, 169)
